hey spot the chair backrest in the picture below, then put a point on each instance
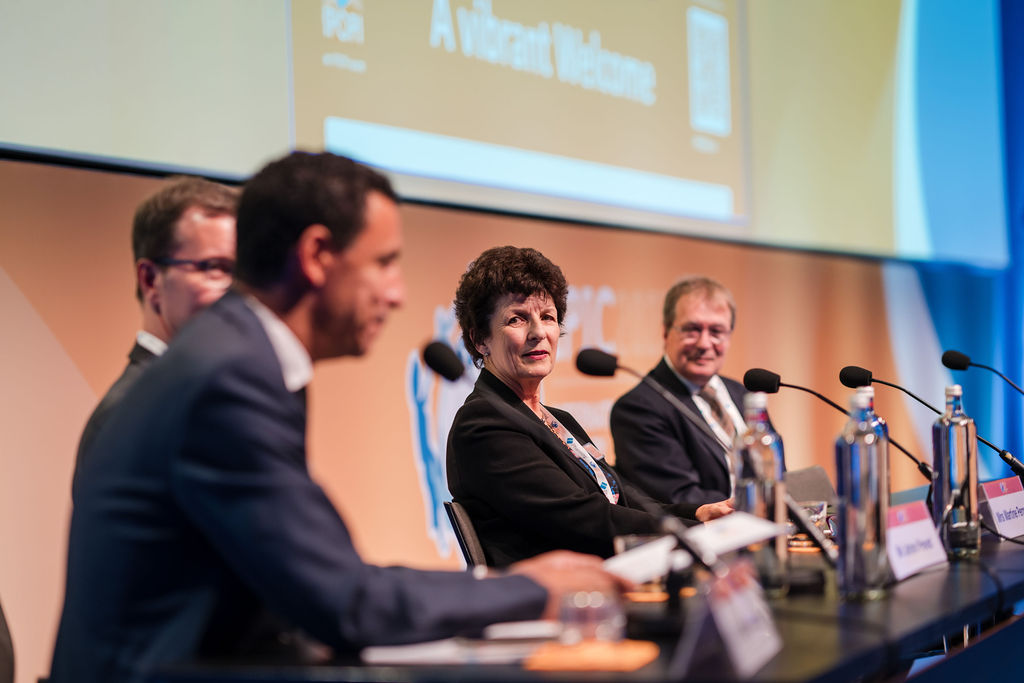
(466, 535)
(6, 651)
(810, 483)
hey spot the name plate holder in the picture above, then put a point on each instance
(912, 542)
(1002, 505)
(731, 620)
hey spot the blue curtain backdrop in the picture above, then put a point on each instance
(978, 311)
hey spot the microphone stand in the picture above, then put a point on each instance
(922, 467)
(1004, 455)
(1005, 378)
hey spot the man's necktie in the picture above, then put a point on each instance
(711, 398)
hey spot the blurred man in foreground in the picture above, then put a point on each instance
(197, 531)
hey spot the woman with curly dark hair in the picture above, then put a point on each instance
(528, 474)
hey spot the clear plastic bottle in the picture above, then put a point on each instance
(862, 477)
(955, 499)
(760, 490)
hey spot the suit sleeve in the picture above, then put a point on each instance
(499, 462)
(243, 481)
(651, 449)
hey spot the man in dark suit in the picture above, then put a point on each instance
(183, 242)
(675, 458)
(197, 530)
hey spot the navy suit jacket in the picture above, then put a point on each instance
(662, 451)
(523, 489)
(139, 359)
(198, 532)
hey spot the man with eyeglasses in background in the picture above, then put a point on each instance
(671, 457)
(183, 242)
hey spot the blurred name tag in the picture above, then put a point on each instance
(912, 543)
(649, 561)
(743, 619)
(732, 532)
(1004, 500)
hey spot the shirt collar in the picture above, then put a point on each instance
(151, 342)
(715, 382)
(296, 365)
(690, 386)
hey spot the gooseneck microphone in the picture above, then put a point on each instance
(758, 379)
(853, 377)
(599, 363)
(442, 359)
(954, 360)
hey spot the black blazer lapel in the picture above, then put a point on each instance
(712, 446)
(498, 391)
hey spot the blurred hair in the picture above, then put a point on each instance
(289, 195)
(701, 285)
(154, 228)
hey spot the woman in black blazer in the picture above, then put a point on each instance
(529, 475)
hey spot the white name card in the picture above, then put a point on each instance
(743, 619)
(1005, 505)
(912, 542)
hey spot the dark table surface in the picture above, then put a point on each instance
(824, 639)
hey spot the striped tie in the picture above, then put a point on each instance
(711, 398)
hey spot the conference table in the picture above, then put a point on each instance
(823, 638)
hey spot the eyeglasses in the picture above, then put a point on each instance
(692, 332)
(210, 267)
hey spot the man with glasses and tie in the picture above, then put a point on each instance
(183, 242)
(656, 446)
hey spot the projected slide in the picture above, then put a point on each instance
(872, 127)
(613, 104)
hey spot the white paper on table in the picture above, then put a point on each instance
(450, 651)
(538, 629)
(649, 561)
(732, 532)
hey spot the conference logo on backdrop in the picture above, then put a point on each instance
(433, 402)
(343, 20)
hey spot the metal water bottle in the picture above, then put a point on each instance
(862, 477)
(760, 490)
(954, 499)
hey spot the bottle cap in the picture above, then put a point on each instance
(859, 401)
(954, 390)
(755, 400)
(867, 391)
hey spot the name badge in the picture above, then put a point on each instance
(1003, 501)
(912, 542)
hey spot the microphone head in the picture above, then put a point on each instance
(440, 358)
(853, 376)
(954, 360)
(596, 362)
(758, 379)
